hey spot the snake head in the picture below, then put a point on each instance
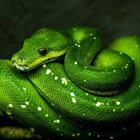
(43, 46)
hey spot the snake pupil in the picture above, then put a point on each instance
(42, 51)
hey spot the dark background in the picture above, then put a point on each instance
(21, 18)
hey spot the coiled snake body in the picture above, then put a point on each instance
(92, 93)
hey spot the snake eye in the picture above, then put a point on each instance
(42, 51)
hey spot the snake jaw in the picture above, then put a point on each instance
(21, 68)
(30, 66)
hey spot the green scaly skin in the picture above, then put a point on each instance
(93, 93)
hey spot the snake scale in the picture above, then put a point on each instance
(65, 84)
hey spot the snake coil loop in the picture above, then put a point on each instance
(91, 92)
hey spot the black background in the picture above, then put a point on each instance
(21, 18)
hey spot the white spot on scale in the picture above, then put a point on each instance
(98, 136)
(89, 134)
(73, 135)
(90, 34)
(94, 38)
(73, 100)
(111, 137)
(98, 104)
(48, 71)
(85, 81)
(56, 77)
(64, 81)
(24, 88)
(27, 103)
(139, 86)
(114, 110)
(75, 63)
(39, 108)
(56, 121)
(46, 115)
(23, 106)
(72, 94)
(10, 105)
(114, 70)
(126, 66)
(44, 66)
(94, 98)
(78, 134)
(118, 103)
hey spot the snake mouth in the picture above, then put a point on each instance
(21, 67)
(33, 65)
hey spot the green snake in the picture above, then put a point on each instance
(65, 84)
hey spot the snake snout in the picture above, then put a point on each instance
(19, 63)
(18, 60)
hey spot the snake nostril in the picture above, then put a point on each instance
(18, 60)
(21, 59)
